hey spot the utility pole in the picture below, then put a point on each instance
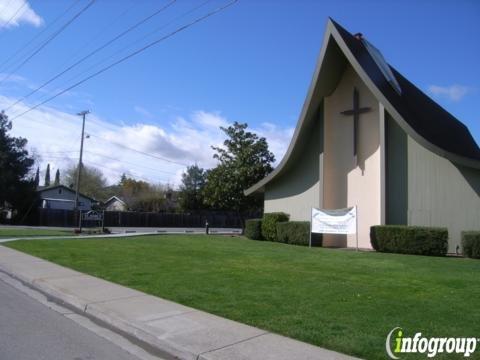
(79, 170)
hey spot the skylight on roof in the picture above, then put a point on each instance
(382, 65)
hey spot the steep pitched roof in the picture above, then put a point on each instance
(418, 115)
(114, 198)
(44, 188)
(424, 115)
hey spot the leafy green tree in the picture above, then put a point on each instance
(47, 176)
(17, 188)
(57, 178)
(92, 182)
(191, 189)
(243, 160)
(143, 196)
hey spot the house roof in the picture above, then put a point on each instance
(115, 198)
(418, 115)
(44, 188)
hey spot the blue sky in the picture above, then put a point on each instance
(252, 63)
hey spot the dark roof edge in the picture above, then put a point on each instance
(333, 33)
(461, 160)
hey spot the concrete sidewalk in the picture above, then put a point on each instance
(74, 237)
(130, 233)
(162, 327)
(124, 229)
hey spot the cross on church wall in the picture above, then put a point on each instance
(356, 111)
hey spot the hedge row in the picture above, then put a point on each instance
(294, 232)
(269, 224)
(416, 240)
(276, 227)
(253, 229)
(297, 233)
(471, 244)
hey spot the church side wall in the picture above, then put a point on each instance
(442, 193)
(298, 189)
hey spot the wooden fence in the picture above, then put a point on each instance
(68, 218)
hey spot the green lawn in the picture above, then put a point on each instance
(341, 300)
(18, 232)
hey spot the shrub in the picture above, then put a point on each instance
(253, 229)
(416, 240)
(297, 233)
(269, 224)
(471, 244)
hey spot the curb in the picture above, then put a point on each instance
(119, 326)
(132, 233)
(172, 330)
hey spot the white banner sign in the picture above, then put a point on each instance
(340, 221)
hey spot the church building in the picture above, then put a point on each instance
(368, 137)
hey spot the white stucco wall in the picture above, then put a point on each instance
(346, 183)
(298, 190)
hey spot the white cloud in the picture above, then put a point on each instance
(452, 92)
(278, 138)
(15, 12)
(55, 136)
(13, 78)
(142, 111)
(206, 119)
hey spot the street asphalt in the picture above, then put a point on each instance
(31, 331)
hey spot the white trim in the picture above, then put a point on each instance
(59, 200)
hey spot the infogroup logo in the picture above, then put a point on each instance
(429, 346)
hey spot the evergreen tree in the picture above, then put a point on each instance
(57, 177)
(17, 188)
(37, 178)
(243, 160)
(191, 189)
(47, 176)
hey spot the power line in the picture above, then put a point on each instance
(132, 44)
(51, 38)
(57, 155)
(114, 143)
(99, 34)
(123, 33)
(102, 166)
(60, 152)
(19, 50)
(15, 14)
(163, 38)
(128, 162)
(157, 157)
(6, 6)
(139, 151)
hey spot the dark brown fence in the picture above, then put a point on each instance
(67, 218)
